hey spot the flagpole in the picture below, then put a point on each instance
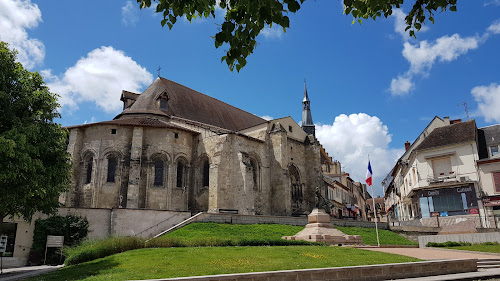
(374, 209)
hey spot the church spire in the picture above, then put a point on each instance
(307, 121)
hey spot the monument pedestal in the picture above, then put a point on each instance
(320, 229)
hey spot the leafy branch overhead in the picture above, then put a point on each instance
(245, 19)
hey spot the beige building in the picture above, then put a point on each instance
(489, 171)
(437, 177)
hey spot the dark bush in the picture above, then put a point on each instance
(447, 244)
(73, 228)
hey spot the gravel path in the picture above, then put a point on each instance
(433, 253)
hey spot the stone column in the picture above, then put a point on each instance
(135, 168)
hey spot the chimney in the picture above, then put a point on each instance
(446, 120)
(407, 145)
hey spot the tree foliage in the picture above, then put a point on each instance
(73, 228)
(245, 19)
(34, 164)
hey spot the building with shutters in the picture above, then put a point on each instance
(488, 167)
(436, 181)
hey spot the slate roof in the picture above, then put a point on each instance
(137, 121)
(448, 135)
(189, 104)
(488, 136)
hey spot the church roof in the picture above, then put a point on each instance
(189, 104)
(137, 121)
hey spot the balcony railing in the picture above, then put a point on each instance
(446, 177)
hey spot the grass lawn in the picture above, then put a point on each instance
(369, 236)
(234, 231)
(276, 231)
(479, 248)
(192, 261)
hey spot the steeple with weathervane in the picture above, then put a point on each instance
(307, 121)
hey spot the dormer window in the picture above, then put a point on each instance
(494, 150)
(163, 102)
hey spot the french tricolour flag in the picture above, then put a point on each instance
(369, 174)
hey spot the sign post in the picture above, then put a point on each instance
(3, 247)
(53, 242)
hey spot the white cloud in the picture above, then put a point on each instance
(99, 77)
(488, 100)
(267, 117)
(401, 86)
(130, 14)
(424, 54)
(493, 2)
(351, 138)
(273, 32)
(494, 27)
(16, 16)
(445, 49)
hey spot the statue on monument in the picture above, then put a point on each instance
(321, 202)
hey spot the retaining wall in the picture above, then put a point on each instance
(442, 221)
(358, 273)
(469, 237)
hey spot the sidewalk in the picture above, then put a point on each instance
(433, 253)
(21, 273)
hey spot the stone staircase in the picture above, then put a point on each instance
(488, 263)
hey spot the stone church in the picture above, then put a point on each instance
(173, 148)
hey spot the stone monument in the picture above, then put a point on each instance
(320, 229)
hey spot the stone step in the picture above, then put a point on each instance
(486, 266)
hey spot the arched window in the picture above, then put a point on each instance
(88, 177)
(206, 174)
(295, 184)
(112, 163)
(158, 179)
(180, 174)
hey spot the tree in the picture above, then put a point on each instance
(245, 19)
(34, 164)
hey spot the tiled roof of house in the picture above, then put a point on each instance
(189, 104)
(448, 135)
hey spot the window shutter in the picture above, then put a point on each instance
(496, 181)
(441, 167)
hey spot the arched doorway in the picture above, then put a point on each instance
(296, 189)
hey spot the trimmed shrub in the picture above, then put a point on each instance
(448, 244)
(91, 250)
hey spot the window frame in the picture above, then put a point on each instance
(111, 175)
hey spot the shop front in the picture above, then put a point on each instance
(493, 204)
(448, 201)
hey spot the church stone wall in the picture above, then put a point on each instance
(246, 175)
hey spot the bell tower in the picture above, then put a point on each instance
(307, 122)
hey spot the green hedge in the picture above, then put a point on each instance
(447, 244)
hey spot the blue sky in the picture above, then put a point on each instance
(371, 87)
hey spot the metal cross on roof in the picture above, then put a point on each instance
(159, 68)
